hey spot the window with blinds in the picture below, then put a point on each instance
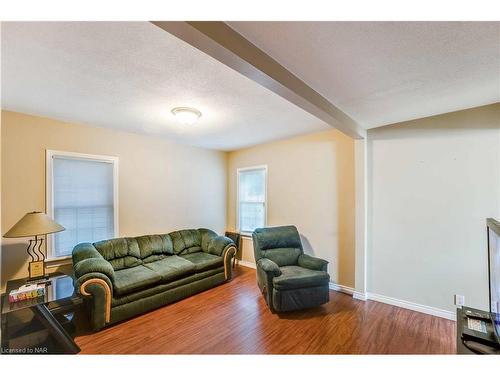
(82, 200)
(251, 198)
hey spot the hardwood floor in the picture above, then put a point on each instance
(234, 319)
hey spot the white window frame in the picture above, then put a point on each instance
(246, 169)
(50, 154)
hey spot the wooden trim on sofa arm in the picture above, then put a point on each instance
(107, 290)
(226, 264)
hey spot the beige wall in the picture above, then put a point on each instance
(163, 186)
(433, 182)
(310, 185)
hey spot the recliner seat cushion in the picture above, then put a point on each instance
(294, 277)
(172, 268)
(135, 278)
(204, 261)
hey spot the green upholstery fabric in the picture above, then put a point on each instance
(288, 278)
(298, 299)
(154, 258)
(286, 256)
(172, 268)
(155, 245)
(186, 241)
(143, 273)
(131, 297)
(312, 263)
(217, 245)
(84, 251)
(130, 279)
(90, 265)
(277, 237)
(142, 305)
(204, 261)
(269, 267)
(206, 236)
(280, 244)
(120, 252)
(294, 277)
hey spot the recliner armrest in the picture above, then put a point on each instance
(218, 244)
(312, 263)
(269, 267)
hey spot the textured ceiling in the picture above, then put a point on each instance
(129, 75)
(386, 72)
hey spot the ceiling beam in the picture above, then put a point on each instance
(224, 44)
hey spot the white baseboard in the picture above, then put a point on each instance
(360, 296)
(245, 263)
(341, 288)
(413, 306)
(380, 298)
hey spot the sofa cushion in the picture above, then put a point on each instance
(204, 261)
(144, 293)
(155, 244)
(131, 279)
(186, 241)
(120, 252)
(172, 268)
(294, 277)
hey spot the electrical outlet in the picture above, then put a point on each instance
(459, 300)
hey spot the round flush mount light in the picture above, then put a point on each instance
(186, 115)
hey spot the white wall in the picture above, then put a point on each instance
(433, 182)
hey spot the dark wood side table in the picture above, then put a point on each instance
(59, 297)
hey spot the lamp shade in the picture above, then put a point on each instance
(34, 224)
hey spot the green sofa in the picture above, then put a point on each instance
(288, 278)
(124, 277)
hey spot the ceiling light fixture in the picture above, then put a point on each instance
(186, 115)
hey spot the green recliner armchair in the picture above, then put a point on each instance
(288, 278)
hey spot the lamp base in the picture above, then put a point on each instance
(36, 270)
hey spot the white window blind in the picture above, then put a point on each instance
(251, 198)
(82, 201)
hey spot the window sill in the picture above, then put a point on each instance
(57, 262)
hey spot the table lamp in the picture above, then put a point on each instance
(34, 224)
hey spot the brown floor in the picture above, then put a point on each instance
(233, 318)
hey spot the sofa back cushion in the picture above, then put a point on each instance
(186, 241)
(155, 247)
(282, 245)
(120, 252)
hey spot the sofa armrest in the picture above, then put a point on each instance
(99, 287)
(218, 244)
(84, 251)
(269, 267)
(227, 254)
(312, 263)
(94, 277)
(92, 265)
